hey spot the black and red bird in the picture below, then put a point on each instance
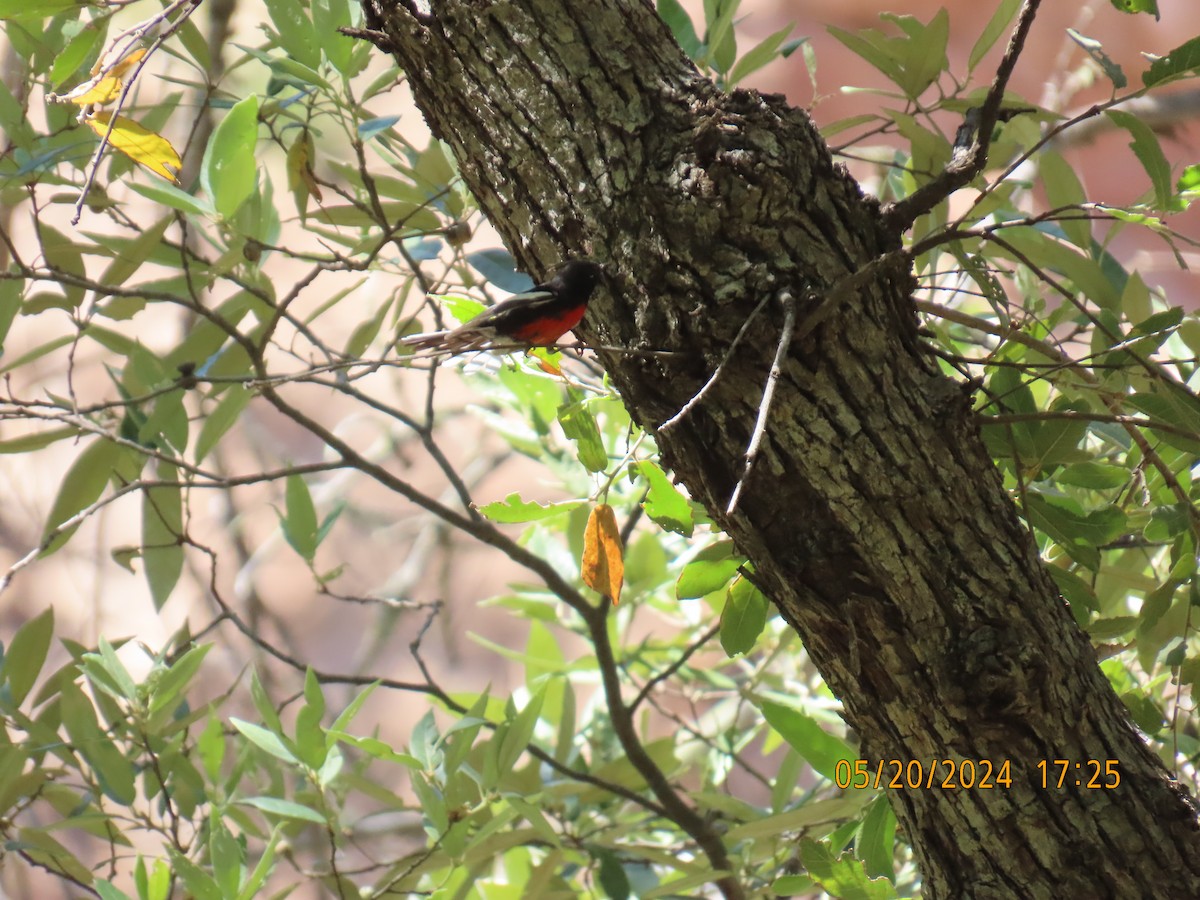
(536, 318)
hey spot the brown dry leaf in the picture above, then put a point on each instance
(603, 566)
(140, 144)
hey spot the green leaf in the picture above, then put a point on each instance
(267, 741)
(252, 887)
(311, 744)
(996, 26)
(1086, 274)
(168, 195)
(912, 61)
(42, 9)
(1136, 6)
(579, 425)
(376, 748)
(1063, 190)
(11, 290)
(211, 747)
(1146, 147)
(758, 56)
(295, 31)
(611, 875)
(130, 255)
(822, 750)
(108, 891)
(27, 654)
(42, 850)
(876, 841)
(520, 730)
(664, 504)
(708, 571)
(81, 487)
(200, 884)
(743, 617)
(328, 17)
(842, 876)
(300, 523)
(1077, 592)
(82, 49)
(1078, 534)
(167, 687)
(113, 676)
(1092, 475)
(113, 771)
(162, 530)
(513, 509)
(1183, 59)
(224, 856)
(230, 169)
(792, 886)
(366, 331)
(719, 37)
(874, 48)
(62, 253)
(1112, 627)
(681, 27)
(221, 419)
(1172, 406)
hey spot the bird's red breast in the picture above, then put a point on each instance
(546, 328)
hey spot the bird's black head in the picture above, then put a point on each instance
(577, 278)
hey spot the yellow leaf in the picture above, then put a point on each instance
(98, 91)
(140, 144)
(120, 68)
(603, 566)
(106, 87)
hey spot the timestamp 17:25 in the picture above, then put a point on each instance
(1089, 773)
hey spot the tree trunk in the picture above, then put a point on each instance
(874, 518)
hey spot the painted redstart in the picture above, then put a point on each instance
(535, 318)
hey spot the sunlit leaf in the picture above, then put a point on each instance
(140, 144)
(821, 749)
(710, 570)
(513, 509)
(579, 425)
(664, 504)
(1136, 6)
(1183, 59)
(743, 617)
(230, 170)
(104, 88)
(842, 876)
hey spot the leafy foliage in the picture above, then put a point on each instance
(154, 350)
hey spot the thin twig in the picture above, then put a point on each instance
(764, 408)
(673, 667)
(699, 395)
(137, 32)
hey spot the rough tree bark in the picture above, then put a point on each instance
(874, 518)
